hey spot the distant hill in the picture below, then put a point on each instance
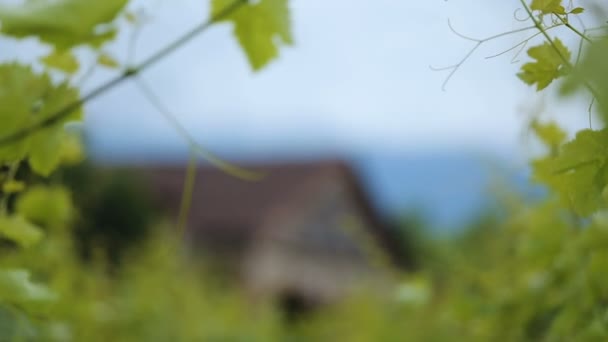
(449, 190)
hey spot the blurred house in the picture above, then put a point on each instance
(305, 233)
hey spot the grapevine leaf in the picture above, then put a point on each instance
(20, 231)
(25, 99)
(577, 10)
(62, 23)
(13, 187)
(548, 6)
(592, 71)
(20, 90)
(71, 149)
(108, 61)
(261, 28)
(579, 172)
(62, 60)
(16, 287)
(46, 206)
(549, 65)
(549, 133)
(45, 150)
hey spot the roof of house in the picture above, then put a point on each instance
(233, 208)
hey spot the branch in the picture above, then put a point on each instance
(192, 143)
(478, 43)
(125, 75)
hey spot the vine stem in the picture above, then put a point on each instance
(478, 42)
(125, 75)
(171, 118)
(187, 194)
(574, 29)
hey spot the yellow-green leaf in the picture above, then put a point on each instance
(579, 173)
(46, 206)
(548, 6)
(20, 231)
(16, 287)
(261, 28)
(577, 10)
(62, 23)
(551, 63)
(27, 98)
(13, 186)
(62, 60)
(107, 61)
(549, 133)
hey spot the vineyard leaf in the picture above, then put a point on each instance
(20, 90)
(108, 61)
(20, 231)
(62, 23)
(13, 187)
(592, 72)
(548, 6)
(549, 133)
(62, 60)
(25, 99)
(71, 149)
(46, 206)
(16, 287)
(577, 10)
(580, 171)
(261, 28)
(45, 150)
(549, 64)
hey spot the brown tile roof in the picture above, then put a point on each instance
(237, 207)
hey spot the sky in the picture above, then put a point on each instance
(357, 80)
(357, 84)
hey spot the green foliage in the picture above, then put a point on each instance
(551, 63)
(62, 23)
(25, 99)
(261, 28)
(548, 6)
(17, 288)
(20, 231)
(592, 72)
(47, 206)
(62, 60)
(579, 173)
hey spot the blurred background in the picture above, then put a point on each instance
(375, 167)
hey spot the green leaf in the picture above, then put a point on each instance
(62, 60)
(548, 6)
(45, 150)
(62, 23)
(46, 206)
(579, 173)
(20, 91)
(549, 133)
(25, 99)
(13, 187)
(261, 28)
(550, 64)
(592, 71)
(16, 287)
(20, 231)
(577, 10)
(108, 61)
